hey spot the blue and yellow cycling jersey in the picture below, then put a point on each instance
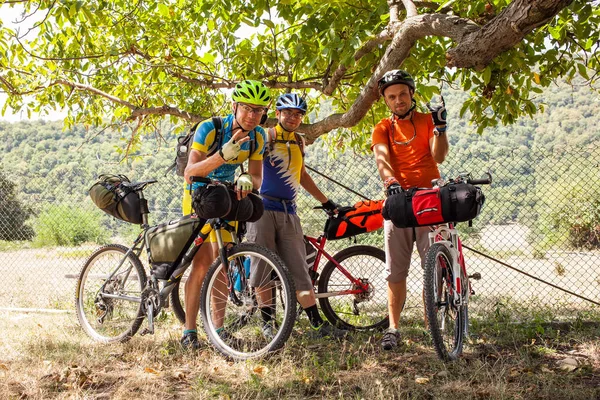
(205, 137)
(203, 141)
(282, 169)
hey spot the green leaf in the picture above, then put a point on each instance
(269, 23)
(583, 71)
(163, 9)
(487, 74)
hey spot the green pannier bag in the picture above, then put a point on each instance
(116, 199)
(166, 241)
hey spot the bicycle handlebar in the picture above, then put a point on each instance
(200, 179)
(328, 212)
(481, 181)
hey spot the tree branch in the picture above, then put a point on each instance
(411, 9)
(503, 32)
(91, 89)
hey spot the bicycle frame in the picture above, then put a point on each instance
(176, 270)
(319, 244)
(447, 235)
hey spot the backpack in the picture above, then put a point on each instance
(273, 136)
(184, 145)
(363, 217)
(114, 197)
(459, 202)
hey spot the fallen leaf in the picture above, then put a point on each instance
(546, 370)
(259, 370)
(150, 371)
(567, 364)
(179, 375)
(421, 380)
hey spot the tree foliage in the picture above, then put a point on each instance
(136, 61)
(14, 213)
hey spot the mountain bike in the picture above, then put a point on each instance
(447, 285)
(351, 288)
(114, 293)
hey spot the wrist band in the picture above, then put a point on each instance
(389, 181)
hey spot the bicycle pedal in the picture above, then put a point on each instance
(476, 276)
(147, 331)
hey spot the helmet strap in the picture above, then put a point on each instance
(284, 128)
(412, 107)
(235, 108)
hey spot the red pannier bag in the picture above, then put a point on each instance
(420, 207)
(364, 216)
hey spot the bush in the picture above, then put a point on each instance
(573, 216)
(63, 225)
(13, 224)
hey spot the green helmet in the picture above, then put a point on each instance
(252, 92)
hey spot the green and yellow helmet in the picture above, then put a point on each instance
(251, 92)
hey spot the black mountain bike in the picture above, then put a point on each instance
(114, 293)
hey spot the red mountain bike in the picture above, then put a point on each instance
(446, 284)
(351, 288)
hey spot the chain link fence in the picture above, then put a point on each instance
(541, 217)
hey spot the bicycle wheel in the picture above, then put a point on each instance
(230, 310)
(108, 296)
(446, 320)
(177, 296)
(361, 311)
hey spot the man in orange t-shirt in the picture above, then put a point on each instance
(407, 146)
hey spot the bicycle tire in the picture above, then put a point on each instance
(356, 312)
(176, 300)
(242, 337)
(446, 320)
(104, 319)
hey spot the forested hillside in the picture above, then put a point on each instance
(52, 166)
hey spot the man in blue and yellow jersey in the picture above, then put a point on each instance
(279, 228)
(243, 139)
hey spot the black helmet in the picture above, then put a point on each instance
(395, 77)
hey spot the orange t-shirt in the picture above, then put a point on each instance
(412, 163)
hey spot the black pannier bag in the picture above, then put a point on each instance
(241, 210)
(116, 199)
(211, 201)
(258, 208)
(421, 207)
(461, 202)
(217, 200)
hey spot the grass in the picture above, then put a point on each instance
(48, 356)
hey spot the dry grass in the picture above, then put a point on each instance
(48, 356)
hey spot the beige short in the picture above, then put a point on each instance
(281, 233)
(399, 248)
